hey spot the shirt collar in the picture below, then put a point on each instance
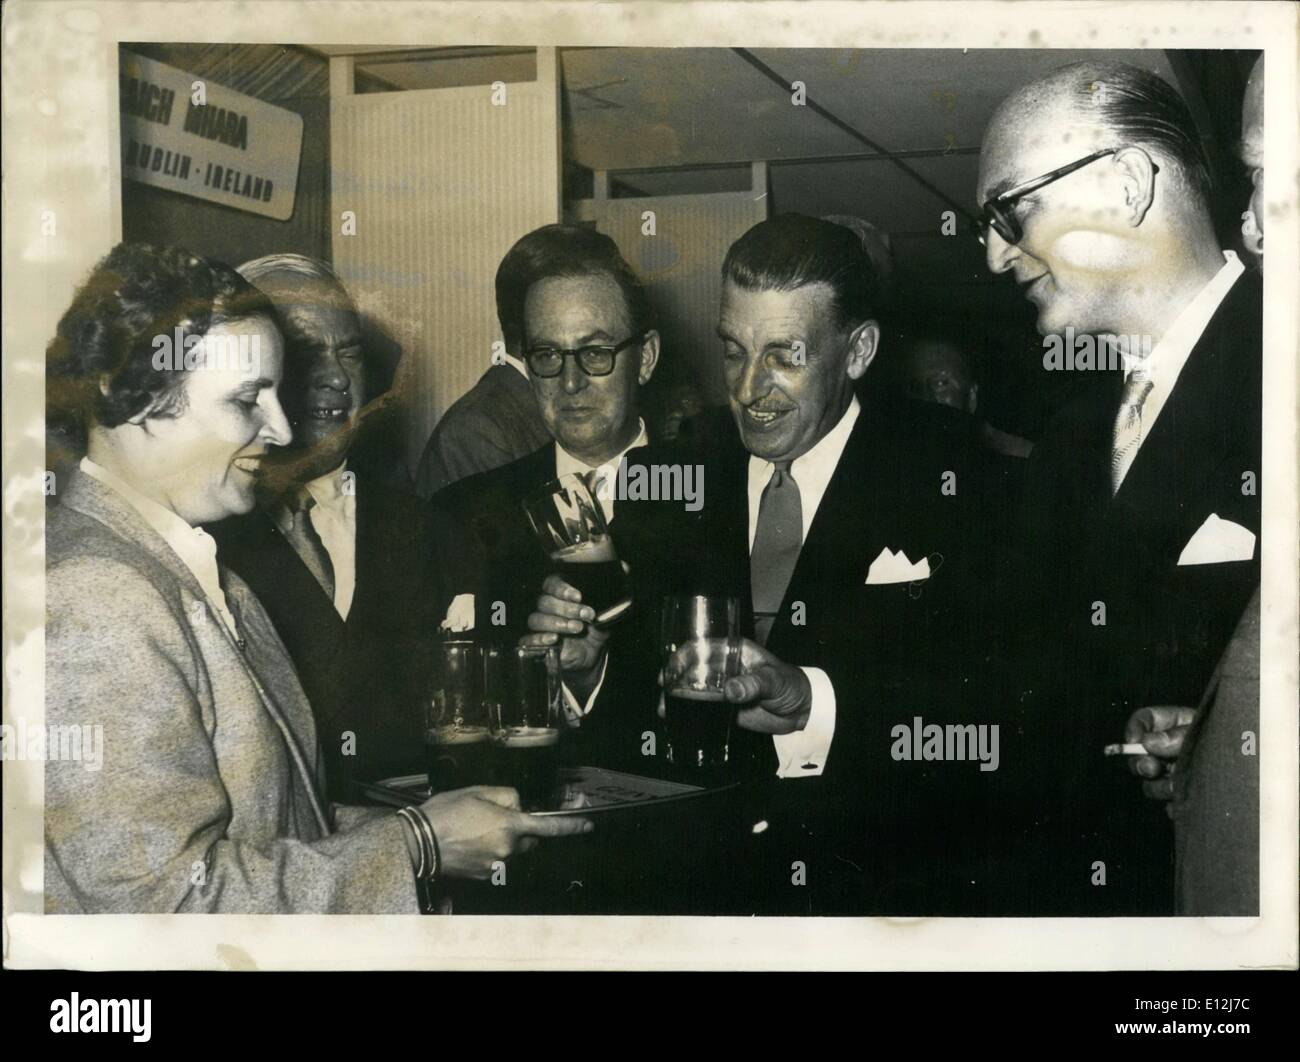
(516, 363)
(327, 490)
(195, 547)
(566, 463)
(1169, 355)
(819, 463)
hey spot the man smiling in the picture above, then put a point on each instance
(831, 524)
(1142, 496)
(344, 565)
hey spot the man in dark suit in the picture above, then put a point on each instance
(497, 420)
(1142, 498)
(590, 347)
(345, 566)
(1215, 792)
(847, 540)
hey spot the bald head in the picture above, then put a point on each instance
(1123, 221)
(1102, 103)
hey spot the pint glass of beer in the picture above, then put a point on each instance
(571, 528)
(701, 644)
(456, 730)
(522, 687)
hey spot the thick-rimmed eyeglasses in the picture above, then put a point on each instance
(999, 214)
(594, 360)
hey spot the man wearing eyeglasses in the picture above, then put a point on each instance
(1142, 497)
(589, 346)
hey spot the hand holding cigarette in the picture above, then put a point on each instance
(1154, 738)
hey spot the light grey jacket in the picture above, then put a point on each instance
(209, 795)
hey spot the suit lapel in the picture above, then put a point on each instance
(1195, 432)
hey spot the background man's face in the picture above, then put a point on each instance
(1252, 154)
(592, 417)
(783, 407)
(324, 383)
(937, 373)
(1077, 249)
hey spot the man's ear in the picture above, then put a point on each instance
(864, 341)
(972, 398)
(649, 357)
(1138, 179)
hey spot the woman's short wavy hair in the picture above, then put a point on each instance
(99, 368)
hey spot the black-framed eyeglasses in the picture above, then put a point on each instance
(998, 213)
(594, 359)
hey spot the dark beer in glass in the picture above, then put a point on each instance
(523, 695)
(571, 528)
(456, 735)
(701, 644)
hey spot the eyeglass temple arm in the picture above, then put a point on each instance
(1047, 178)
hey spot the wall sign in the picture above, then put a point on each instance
(193, 136)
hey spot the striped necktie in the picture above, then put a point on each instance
(777, 541)
(306, 542)
(1127, 436)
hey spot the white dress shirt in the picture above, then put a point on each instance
(194, 546)
(1166, 360)
(334, 517)
(606, 481)
(607, 473)
(803, 754)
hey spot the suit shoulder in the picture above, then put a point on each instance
(507, 480)
(481, 404)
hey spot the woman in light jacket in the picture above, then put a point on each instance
(209, 796)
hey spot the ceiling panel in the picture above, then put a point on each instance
(639, 107)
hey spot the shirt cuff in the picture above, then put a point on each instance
(803, 754)
(575, 712)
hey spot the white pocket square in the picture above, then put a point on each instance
(892, 567)
(1218, 542)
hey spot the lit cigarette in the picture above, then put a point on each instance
(1128, 749)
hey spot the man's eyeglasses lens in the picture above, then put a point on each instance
(593, 360)
(1002, 221)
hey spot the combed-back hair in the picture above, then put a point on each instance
(100, 366)
(1142, 108)
(790, 251)
(562, 251)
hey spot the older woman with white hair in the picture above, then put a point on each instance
(210, 794)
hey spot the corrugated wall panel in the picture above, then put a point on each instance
(680, 265)
(442, 182)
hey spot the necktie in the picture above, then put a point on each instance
(306, 542)
(777, 541)
(1128, 427)
(600, 482)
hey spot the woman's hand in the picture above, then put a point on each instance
(482, 825)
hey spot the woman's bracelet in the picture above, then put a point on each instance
(426, 840)
(431, 840)
(408, 816)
